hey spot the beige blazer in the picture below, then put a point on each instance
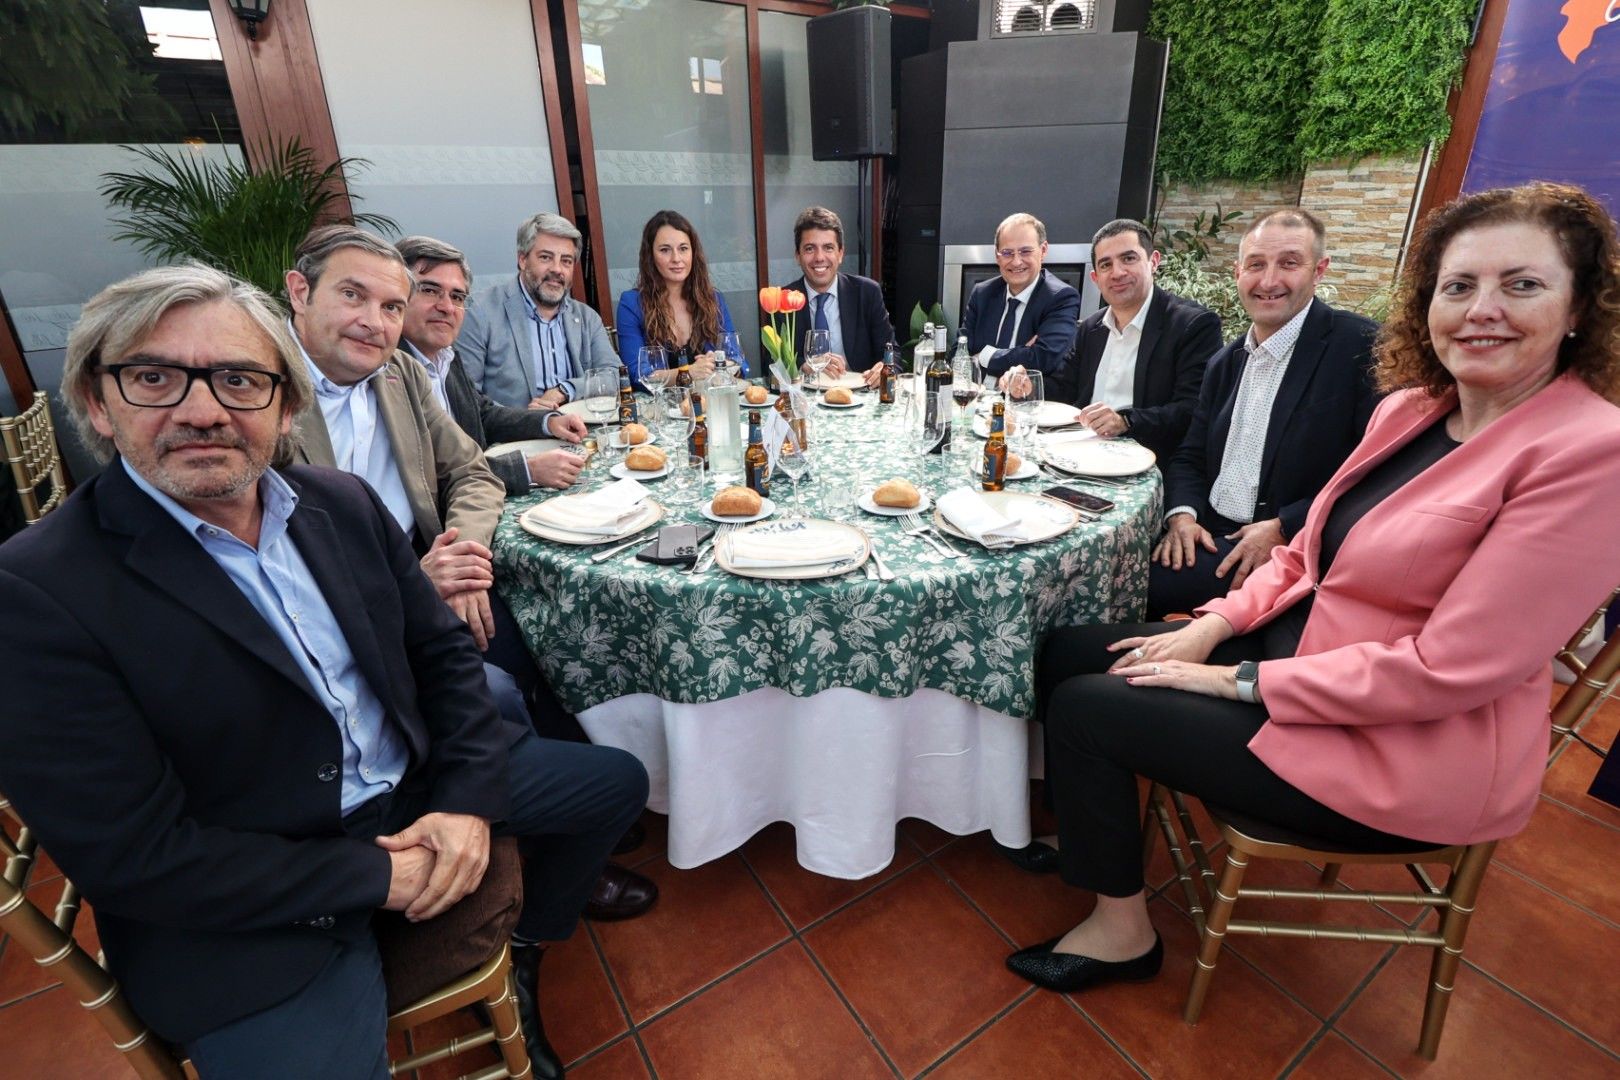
(445, 474)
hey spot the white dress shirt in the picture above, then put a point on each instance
(1017, 318)
(360, 442)
(438, 366)
(1116, 371)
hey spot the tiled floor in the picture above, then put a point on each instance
(751, 967)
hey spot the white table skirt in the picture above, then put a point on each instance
(842, 767)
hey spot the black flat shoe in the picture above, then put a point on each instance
(1067, 973)
(1036, 857)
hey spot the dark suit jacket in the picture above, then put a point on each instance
(1178, 338)
(174, 760)
(862, 319)
(1053, 313)
(1321, 411)
(488, 422)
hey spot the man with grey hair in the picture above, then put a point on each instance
(1026, 316)
(250, 722)
(526, 341)
(432, 321)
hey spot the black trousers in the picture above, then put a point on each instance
(1101, 733)
(1172, 592)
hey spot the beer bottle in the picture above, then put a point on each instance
(886, 375)
(627, 398)
(756, 462)
(995, 448)
(697, 446)
(683, 375)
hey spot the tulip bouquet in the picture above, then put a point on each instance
(782, 346)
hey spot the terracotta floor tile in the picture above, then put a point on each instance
(777, 1017)
(706, 922)
(1550, 951)
(928, 837)
(1321, 974)
(50, 1034)
(1489, 1032)
(656, 843)
(578, 1004)
(1335, 1059)
(1571, 855)
(1042, 1039)
(621, 1061)
(804, 894)
(19, 975)
(1144, 1019)
(919, 965)
(1027, 907)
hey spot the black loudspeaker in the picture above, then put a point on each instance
(850, 99)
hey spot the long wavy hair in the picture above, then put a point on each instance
(1586, 236)
(697, 290)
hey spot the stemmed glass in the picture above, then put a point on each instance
(794, 460)
(926, 428)
(817, 354)
(653, 363)
(601, 396)
(964, 390)
(731, 346)
(675, 418)
(1026, 391)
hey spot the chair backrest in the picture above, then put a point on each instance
(32, 453)
(1594, 679)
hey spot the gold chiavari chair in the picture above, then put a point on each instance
(31, 451)
(49, 940)
(1210, 899)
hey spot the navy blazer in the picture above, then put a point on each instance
(862, 318)
(172, 757)
(1178, 338)
(1322, 408)
(486, 421)
(1053, 314)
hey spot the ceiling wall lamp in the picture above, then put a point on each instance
(252, 13)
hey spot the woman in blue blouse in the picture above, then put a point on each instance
(674, 304)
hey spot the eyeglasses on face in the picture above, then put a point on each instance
(1023, 253)
(435, 293)
(158, 386)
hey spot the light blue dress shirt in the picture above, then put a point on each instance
(835, 325)
(277, 582)
(360, 442)
(551, 367)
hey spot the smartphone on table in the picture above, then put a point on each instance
(1083, 501)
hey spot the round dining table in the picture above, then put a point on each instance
(840, 705)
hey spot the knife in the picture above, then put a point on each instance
(603, 556)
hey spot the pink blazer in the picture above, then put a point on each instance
(1417, 702)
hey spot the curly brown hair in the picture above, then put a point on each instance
(696, 290)
(1585, 234)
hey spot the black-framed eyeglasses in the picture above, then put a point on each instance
(158, 386)
(435, 293)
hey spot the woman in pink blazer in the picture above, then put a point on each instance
(1385, 676)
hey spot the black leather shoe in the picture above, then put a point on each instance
(1066, 973)
(633, 837)
(1036, 857)
(543, 1060)
(619, 894)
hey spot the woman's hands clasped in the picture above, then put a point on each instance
(1176, 659)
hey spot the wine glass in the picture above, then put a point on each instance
(794, 461)
(653, 364)
(964, 391)
(1026, 391)
(930, 419)
(817, 354)
(675, 417)
(601, 393)
(731, 346)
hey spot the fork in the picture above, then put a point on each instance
(706, 558)
(914, 525)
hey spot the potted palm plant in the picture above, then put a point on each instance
(245, 222)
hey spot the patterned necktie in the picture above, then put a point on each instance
(1004, 335)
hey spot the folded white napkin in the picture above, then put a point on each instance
(602, 512)
(967, 510)
(1059, 439)
(813, 545)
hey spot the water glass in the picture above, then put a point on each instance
(794, 461)
(817, 353)
(601, 393)
(1026, 391)
(652, 363)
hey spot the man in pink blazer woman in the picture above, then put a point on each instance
(1385, 676)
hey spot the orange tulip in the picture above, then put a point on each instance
(770, 298)
(792, 300)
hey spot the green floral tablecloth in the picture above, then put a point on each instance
(970, 627)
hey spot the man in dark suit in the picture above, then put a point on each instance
(250, 721)
(1027, 317)
(849, 307)
(1140, 360)
(1280, 410)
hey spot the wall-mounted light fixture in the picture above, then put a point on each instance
(252, 13)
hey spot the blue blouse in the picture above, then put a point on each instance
(633, 334)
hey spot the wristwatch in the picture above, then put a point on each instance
(1248, 682)
(1125, 418)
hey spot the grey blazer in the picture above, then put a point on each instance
(496, 345)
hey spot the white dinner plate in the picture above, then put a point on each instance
(1050, 517)
(825, 404)
(766, 509)
(1027, 470)
(744, 404)
(623, 472)
(722, 554)
(865, 503)
(852, 379)
(650, 513)
(527, 446)
(618, 443)
(577, 408)
(1101, 457)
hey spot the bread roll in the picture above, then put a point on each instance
(736, 502)
(634, 434)
(755, 395)
(645, 459)
(1014, 462)
(838, 395)
(901, 494)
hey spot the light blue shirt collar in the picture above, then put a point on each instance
(275, 494)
